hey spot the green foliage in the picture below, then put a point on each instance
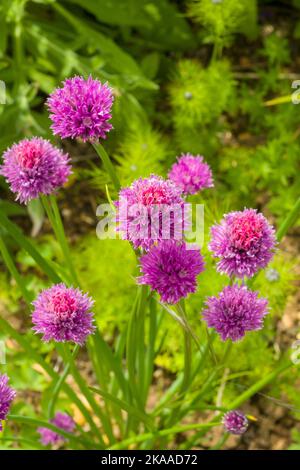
(142, 152)
(174, 93)
(102, 265)
(223, 18)
(199, 96)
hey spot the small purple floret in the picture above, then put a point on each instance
(7, 395)
(63, 314)
(171, 270)
(235, 311)
(191, 173)
(244, 241)
(235, 422)
(61, 421)
(34, 167)
(81, 109)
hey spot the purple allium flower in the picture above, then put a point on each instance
(149, 210)
(191, 173)
(61, 421)
(7, 394)
(81, 108)
(244, 241)
(235, 422)
(63, 314)
(33, 167)
(171, 269)
(235, 311)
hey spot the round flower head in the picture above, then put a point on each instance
(63, 314)
(236, 311)
(191, 173)
(61, 421)
(244, 241)
(149, 210)
(7, 394)
(235, 422)
(33, 167)
(81, 108)
(171, 269)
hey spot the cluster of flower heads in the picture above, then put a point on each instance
(243, 242)
(61, 421)
(7, 394)
(79, 109)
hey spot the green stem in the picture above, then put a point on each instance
(59, 384)
(187, 361)
(38, 423)
(289, 221)
(23, 242)
(14, 272)
(21, 340)
(88, 395)
(164, 432)
(108, 165)
(51, 208)
(33, 444)
(259, 385)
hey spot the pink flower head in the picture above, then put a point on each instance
(171, 270)
(235, 311)
(244, 241)
(235, 422)
(7, 395)
(33, 167)
(151, 209)
(81, 108)
(191, 173)
(63, 314)
(61, 421)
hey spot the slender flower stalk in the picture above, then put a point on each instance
(53, 213)
(108, 165)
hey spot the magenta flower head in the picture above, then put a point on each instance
(81, 108)
(236, 311)
(191, 173)
(171, 269)
(33, 167)
(61, 421)
(244, 241)
(151, 209)
(7, 394)
(235, 422)
(63, 314)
